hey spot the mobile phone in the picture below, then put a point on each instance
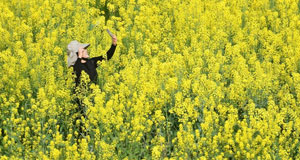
(108, 31)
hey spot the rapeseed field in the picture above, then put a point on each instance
(190, 79)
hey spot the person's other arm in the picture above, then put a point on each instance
(77, 70)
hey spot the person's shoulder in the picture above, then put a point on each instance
(77, 64)
(91, 61)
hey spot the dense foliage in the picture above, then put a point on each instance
(207, 79)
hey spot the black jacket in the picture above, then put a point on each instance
(90, 66)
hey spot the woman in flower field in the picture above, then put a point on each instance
(78, 58)
(219, 80)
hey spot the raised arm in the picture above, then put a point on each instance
(109, 53)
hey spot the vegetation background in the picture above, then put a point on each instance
(196, 79)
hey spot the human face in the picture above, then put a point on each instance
(83, 53)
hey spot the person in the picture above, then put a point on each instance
(79, 59)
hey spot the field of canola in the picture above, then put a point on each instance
(190, 79)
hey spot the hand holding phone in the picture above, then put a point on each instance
(114, 38)
(108, 31)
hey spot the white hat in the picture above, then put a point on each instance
(73, 47)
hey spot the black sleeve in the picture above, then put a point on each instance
(77, 71)
(109, 54)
